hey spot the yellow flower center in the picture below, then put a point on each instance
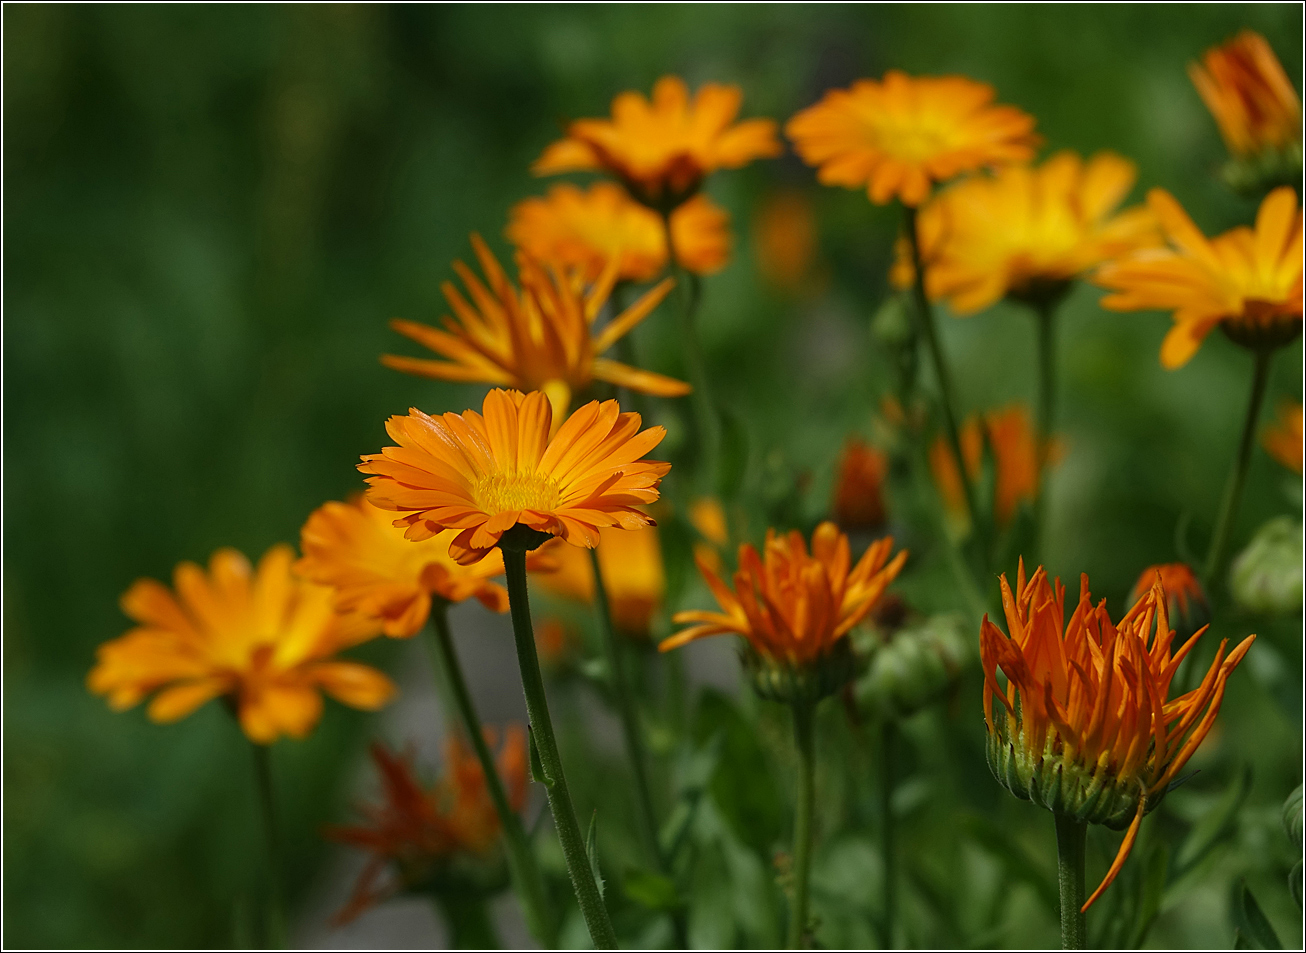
(503, 492)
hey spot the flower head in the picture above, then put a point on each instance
(899, 136)
(587, 230)
(484, 474)
(631, 563)
(1026, 231)
(430, 838)
(264, 639)
(786, 241)
(540, 337)
(1283, 439)
(662, 149)
(1249, 95)
(859, 487)
(1014, 443)
(1247, 281)
(1090, 730)
(1186, 604)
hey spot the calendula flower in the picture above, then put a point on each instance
(859, 486)
(793, 608)
(1014, 444)
(662, 149)
(1186, 604)
(1250, 96)
(433, 838)
(898, 137)
(263, 639)
(587, 230)
(631, 563)
(1247, 281)
(1090, 731)
(785, 238)
(1026, 232)
(540, 337)
(482, 475)
(1283, 440)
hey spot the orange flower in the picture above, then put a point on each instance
(355, 548)
(538, 338)
(587, 230)
(263, 639)
(420, 831)
(1249, 282)
(1089, 731)
(483, 475)
(1283, 439)
(790, 606)
(859, 486)
(631, 563)
(663, 149)
(555, 641)
(899, 136)
(1014, 444)
(709, 518)
(1186, 604)
(785, 237)
(1249, 95)
(1026, 231)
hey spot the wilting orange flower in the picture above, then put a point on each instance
(1249, 282)
(899, 136)
(631, 563)
(792, 606)
(859, 486)
(419, 831)
(1249, 94)
(587, 230)
(482, 475)
(1283, 440)
(1025, 231)
(1014, 444)
(538, 338)
(784, 234)
(263, 639)
(662, 149)
(1089, 731)
(356, 549)
(1186, 605)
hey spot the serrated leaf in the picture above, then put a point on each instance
(1215, 826)
(1251, 922)
(592, 851)
(654, 891)
(537, 766)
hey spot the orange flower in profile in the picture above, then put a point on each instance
(785, 237)
(1014, 444)
(1090, 731)
(1186, 604)
(662, 149)
(263, 639)
(1283, 440)
(419, 832)
(1026, 231)
(898, 137)
(538, 338)
(859, 486)
(631, 563)
(356, 549)
(482, 475)
(587, 230)
(1246, 281)
(1249, 94)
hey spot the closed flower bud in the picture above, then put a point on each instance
(913, 667)
(1267, 575)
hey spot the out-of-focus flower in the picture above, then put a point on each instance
(631, 563)
(555, 641)
(482, 475)
(911, 667)
(662, 149)
(355, 548)
(539, 338)
(587, 230)
(1267, 575)
(1186, 604)
(708, 517)
(784, 236)
(1246, 281)
(263, 639)
(1283, 440)
(1089, 730)
(1026, 232)
(793, 608)
(900, 136)
(859, 487)
(432, 838)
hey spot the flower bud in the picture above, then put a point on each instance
(913, 666)
(803, 683)
(1267, 575)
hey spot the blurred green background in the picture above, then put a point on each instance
(210, 213)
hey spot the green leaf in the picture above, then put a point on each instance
(1215, 826)
(1295, 882)
(1153, 890)
(537, 766)
(743, 787)
(1251, 925)
(592, 851)
(1017, 862)
(651, 890)
(1292, 816)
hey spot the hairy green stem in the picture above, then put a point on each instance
(1070, 881)
(537, 708)
(802, 859)
(275, 924)
(888, 731)
(521, 858)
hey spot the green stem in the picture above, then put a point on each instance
(276, 916)
(887, 832)
(804, 743)
(521, 858)
(1045, 316)
(468, 920)
(1233, 490)
(1070, 880)
(537, 708)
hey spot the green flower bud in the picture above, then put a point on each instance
(914, 666)
(1267, 575)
